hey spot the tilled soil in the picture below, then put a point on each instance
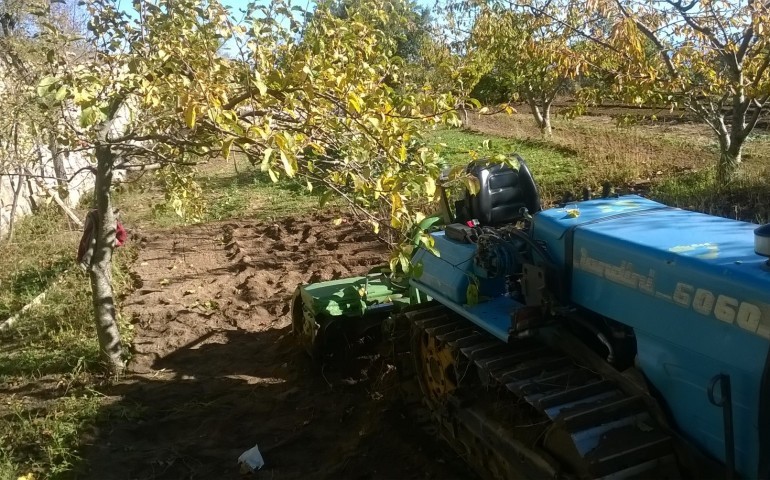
(215, 369)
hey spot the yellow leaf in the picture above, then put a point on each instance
(398, 203)
(354, 101)
(190, 114)
(472, 184)
(393, 262)
(430, 186)
(337, 221)
(260, 84)
(226, 146)
(266, 159)
(404, 261)
(288, 165)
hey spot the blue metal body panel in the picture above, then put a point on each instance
(689, 285)
(696, 295)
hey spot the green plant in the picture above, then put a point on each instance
(50, 350)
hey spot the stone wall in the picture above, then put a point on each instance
(33, 194)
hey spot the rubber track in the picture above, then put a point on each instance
(589, 427)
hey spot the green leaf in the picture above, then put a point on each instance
(89, 116)
(418, 269)
(45, 85)
(61, 93)
(428, 222)
(472, 294)
(325, 198)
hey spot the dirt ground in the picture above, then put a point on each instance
(215, 369)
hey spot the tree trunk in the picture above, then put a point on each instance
(545, 126)
(58, 163)
(15, 203)
(542, 117)
(100, 270)
(729, 159)
(464, 117)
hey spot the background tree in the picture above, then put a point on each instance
(28, 128)
(709, 57)
(532, 52)
(310, 96)
(449, 60)
(406, 23)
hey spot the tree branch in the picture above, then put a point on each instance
(651, 37)
(752, 121)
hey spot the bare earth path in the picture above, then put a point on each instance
(215, 369)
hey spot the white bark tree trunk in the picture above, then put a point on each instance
(542, 115)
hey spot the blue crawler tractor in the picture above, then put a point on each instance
(612, 337)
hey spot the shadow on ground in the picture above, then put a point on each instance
(215, 369)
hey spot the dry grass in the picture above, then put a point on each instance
(672, 162)
(49, 360)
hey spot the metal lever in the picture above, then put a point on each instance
(725, 402)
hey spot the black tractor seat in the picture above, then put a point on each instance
(503, 193)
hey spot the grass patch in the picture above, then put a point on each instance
(673, 164)
(49, 358)
(556, 170)
(250, 192)
(38, 437)
(746, 198)
(229, 191)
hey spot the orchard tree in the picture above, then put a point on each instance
(533, 52)
(449, 59)
(28, 125)
(406, 23)
(709, 57)
(309, 96)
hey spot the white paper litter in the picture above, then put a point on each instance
(252, 459)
